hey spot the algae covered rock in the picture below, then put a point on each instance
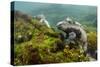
(31, 40)
(35, 43)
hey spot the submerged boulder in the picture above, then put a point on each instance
(42, 19)
(74, 32)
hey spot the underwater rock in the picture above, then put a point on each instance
(74, 32)
(42, 19)
(18, 15)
